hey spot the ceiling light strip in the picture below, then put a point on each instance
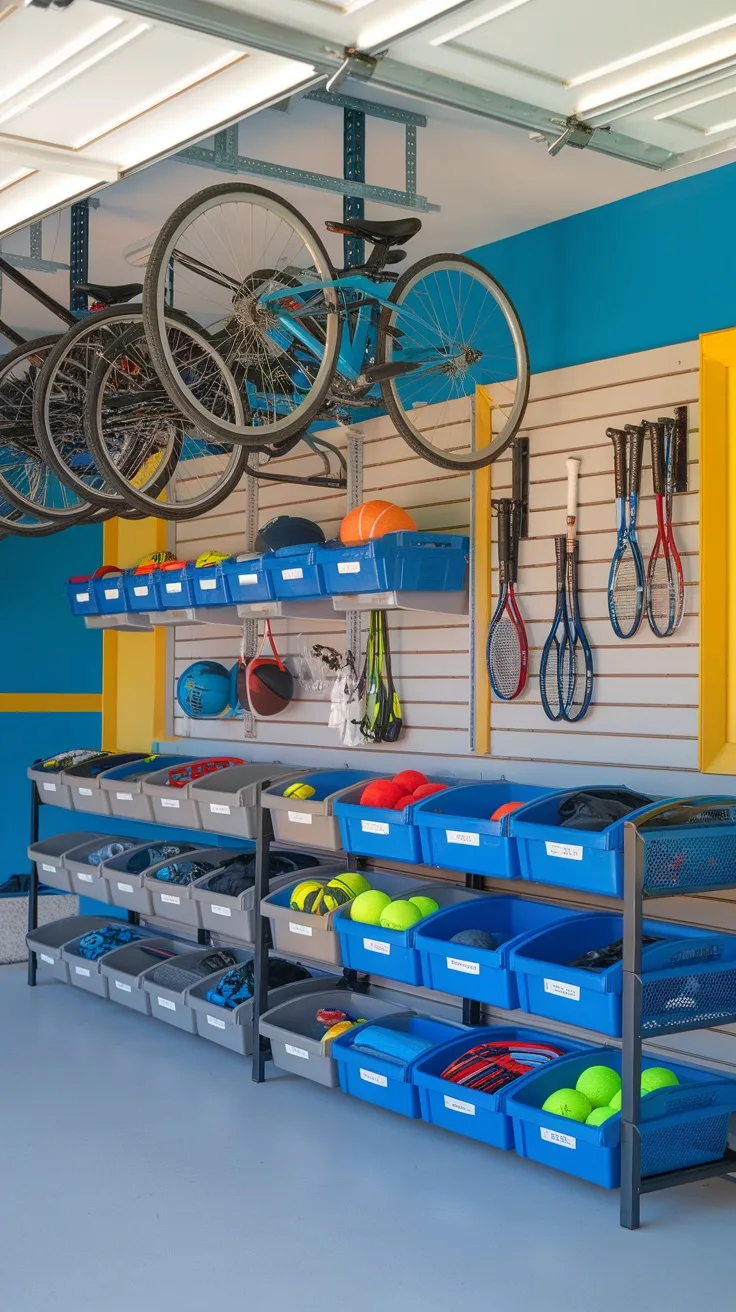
(72, 68)
(651, 52)
(481, 21)
(702, 100)
(655, 93)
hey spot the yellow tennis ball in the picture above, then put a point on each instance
(342, 889)
(308, 896)
(300, 790)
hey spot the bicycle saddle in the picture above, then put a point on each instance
(388, 231)
(114, 295)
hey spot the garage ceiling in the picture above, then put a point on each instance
(90, 92)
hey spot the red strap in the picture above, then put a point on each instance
(106, 569)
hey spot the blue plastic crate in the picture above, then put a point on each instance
(175, 585)
(295, 572)
(391, 953)
(141, 593)
(109, 591)
(471, 1112)
(681, 1125)
(571, 858)
(689, 978)
(81, 595)
(457, 832)
(247, 579)
(209, 585)
(480, 973)
(379, 831)
(381, 1080)
(695, 856)
(405, 561)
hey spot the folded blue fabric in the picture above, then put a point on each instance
(395, 1045)
(109, 851)
(99, 941)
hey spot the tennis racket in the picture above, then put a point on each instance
(576, 658)
(549, 668)
(675, 447)
(626, 578)
(665, 585)
(507, 649)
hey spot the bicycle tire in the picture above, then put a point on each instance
(154, 310)
(147, 502)
(486, 456)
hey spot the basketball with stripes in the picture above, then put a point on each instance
(371, 520)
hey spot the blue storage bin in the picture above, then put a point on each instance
(681, 1125)
(377, 830)
(457, 833)
(109, 592)
(391, 953)
(81, 595)
(295, 572)
(571, 858)
(471, 1112)
(479, 973)
(208, 582)
(690, 857)
(174, 583)
(141, 593)
(247, 579)
(689, 978)
(405, 561)
(381, 1080)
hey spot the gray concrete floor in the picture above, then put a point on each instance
(141, 1170)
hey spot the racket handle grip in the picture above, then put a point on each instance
(504, 540)
(560, 561)
(656, 437)
(619, 460)
(636, 454)
(573, 472)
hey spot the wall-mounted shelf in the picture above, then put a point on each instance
(138, 623)
(319, 609)
(442, 603)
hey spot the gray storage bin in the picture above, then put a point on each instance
(127, 799)
(235, 916)
(306, 822)
(227, 800)
(233, 1028)
(176, 901)
(125, 973)
(291, 1026)
(49, 783)
(47, 941)
(313, 938)
(49, 853)
(88, 880)
(85, 974)
(171, 806)
(128, 888)
(172, 1005)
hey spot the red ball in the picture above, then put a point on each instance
(381, 792)
(410, 779)
(505, 809)
(426, 790)
(408, 800)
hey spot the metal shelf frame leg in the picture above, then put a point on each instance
(260, 971)
(631, 1185)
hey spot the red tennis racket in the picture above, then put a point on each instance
(665, 589)
(507, 649)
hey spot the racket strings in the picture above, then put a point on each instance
(662, 592)
(506, 657)
(626, 591)
(550, 678)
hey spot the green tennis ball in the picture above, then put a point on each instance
(615, 1103)
(300, 790)
(599, 1115)
(657, 1077)
(367, 907)
(425, 905)
(400, 915)
(308, 896)
(570, 1103)
(342, 889)
(599, 1084)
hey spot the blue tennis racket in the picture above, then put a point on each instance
(549, 667)
(626, 579)
(576, 657)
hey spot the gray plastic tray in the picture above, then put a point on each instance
(126, 984)
(313, 938)
(49, 784)
(86, 794)
(233, 1029)
(235, 916)
(84, 974)
(290, 1027)
(86, 879)
(176, 902)
(171, 1005)
(127, 889)
(127, 799)
(171, 806)
(227, 800)
(304, 823)
(49, 854)
(47, 941)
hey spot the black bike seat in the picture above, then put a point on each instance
(388, 231)
(111, 295)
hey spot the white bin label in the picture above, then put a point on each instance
(50, 870)
(374, 827)
(247, 580)
(164, 1002)
(82, 596)
(560, 990)
(467, 967)
(296, 928)
(218, 809)
(220, 911)
(296, 1052)
(348, 567)
(84, 792)
(457, 836)
(455, 1105)
(86, 879)
(112, 594)
(173, 587)
(562, 1140)
(49, 960)
(49, 788)
(568, 851)
(215, 1023)
(140, 592)
(207, 585)
(299, 817)
(82, 970)
(124, 988)
(371, 1077)
(375, 945)
(124, 797)
(170, 801)
(168, 897)
(125, 888)
(292, 573)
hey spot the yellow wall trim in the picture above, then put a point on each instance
(45, 702)
(133, 664)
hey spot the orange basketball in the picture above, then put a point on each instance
(372, 520)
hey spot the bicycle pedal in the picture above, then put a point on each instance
(381, 373)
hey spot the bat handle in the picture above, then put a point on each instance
(560, 561)
(573, 472)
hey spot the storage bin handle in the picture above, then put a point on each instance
(692, 804)
(691, 952)
(681, 1099)
(106, 569)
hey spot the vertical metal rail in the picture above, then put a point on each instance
(79, 253)
(33, 890)
(471, 1008)
(631, 1033)
(250, 627)
(353, 626)
(353, 207)
(260, 961)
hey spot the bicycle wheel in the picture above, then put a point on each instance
(143, 445)
(27, 485)
(449, 328)
(217, 259)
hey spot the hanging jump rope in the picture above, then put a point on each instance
(382, 722)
